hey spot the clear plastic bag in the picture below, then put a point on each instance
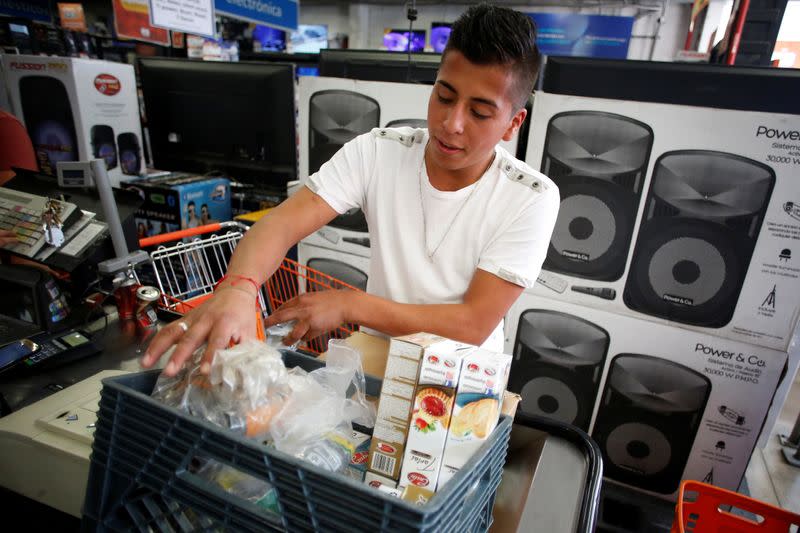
(245, 389)
(317, 418)
(249, 390)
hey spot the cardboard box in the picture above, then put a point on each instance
(374, 352)
(397, 397)
(679, 215)
(179, 201)
(479, 400)
(77, 110)
(670, 404)
(434, 400)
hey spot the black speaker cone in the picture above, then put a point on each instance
(557, 363)
(648, 419)
(598, 161)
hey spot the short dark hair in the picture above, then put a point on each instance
(488, 34)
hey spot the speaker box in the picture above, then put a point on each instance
(130, 154)
(338, 270)
(48, 118)
(557, 364)
(336, 117)
(648, 419)
(410, 122)
(599, 161)
(700, 224)
(103, 145)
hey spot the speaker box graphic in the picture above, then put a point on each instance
(130, 154)
(599, 161)
(648, 419)
(336, 117)
(103, 145)
(700, 224)
(47, 112)
(557, 365)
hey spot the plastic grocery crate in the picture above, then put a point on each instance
(140, 476)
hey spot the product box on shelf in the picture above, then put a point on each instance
(434, 398)
(179, 201)
(76, 110)
(476, 410)
(397, 398)
(681, 215)
(663, 403)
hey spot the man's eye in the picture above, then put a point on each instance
(444, 100)
(479, 116)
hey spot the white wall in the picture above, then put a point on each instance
(365, 23)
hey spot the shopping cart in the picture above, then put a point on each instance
(186, 265)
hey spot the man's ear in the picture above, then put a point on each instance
(514, 125)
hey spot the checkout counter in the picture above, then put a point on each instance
(551, 481)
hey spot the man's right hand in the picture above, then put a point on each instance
(227, 317)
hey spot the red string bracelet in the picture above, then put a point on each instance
(237, 279)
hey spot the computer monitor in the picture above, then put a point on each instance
(719, 86)
(401, 40)
(440, 32)
(236, 118)
(309, 38)
(306, 64)
(379, 65)
(268, 39)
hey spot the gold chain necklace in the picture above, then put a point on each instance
(455, 217)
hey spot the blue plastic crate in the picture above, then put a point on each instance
(140, 478)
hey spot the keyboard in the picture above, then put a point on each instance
(21, 213)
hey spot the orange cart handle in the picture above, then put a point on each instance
(182, 234)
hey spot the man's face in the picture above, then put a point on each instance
(204, 212)
(470, 110)
(190, 210)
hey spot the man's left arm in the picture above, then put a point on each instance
(485, 303)
(511, 264)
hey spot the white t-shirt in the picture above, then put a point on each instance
(501, 224)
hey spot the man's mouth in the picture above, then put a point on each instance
(447, 148)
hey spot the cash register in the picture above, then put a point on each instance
(45, 442)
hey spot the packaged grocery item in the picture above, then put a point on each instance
(430, 418)
(397, 397)
(476, 410)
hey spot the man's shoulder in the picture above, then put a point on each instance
(404, 136)
(527, 178)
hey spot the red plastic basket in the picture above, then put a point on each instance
(704, 508)
(187, 265)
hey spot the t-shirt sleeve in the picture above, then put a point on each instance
(516, 254)
(342, 181)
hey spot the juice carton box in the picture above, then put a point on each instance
(476, 409)
(397, 397)
(430, 417)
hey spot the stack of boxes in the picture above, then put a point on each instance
(440, 400)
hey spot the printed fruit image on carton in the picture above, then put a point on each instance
(432, 408)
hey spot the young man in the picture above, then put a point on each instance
(459, 227)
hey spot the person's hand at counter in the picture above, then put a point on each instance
(228, 316)
(7, 237)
